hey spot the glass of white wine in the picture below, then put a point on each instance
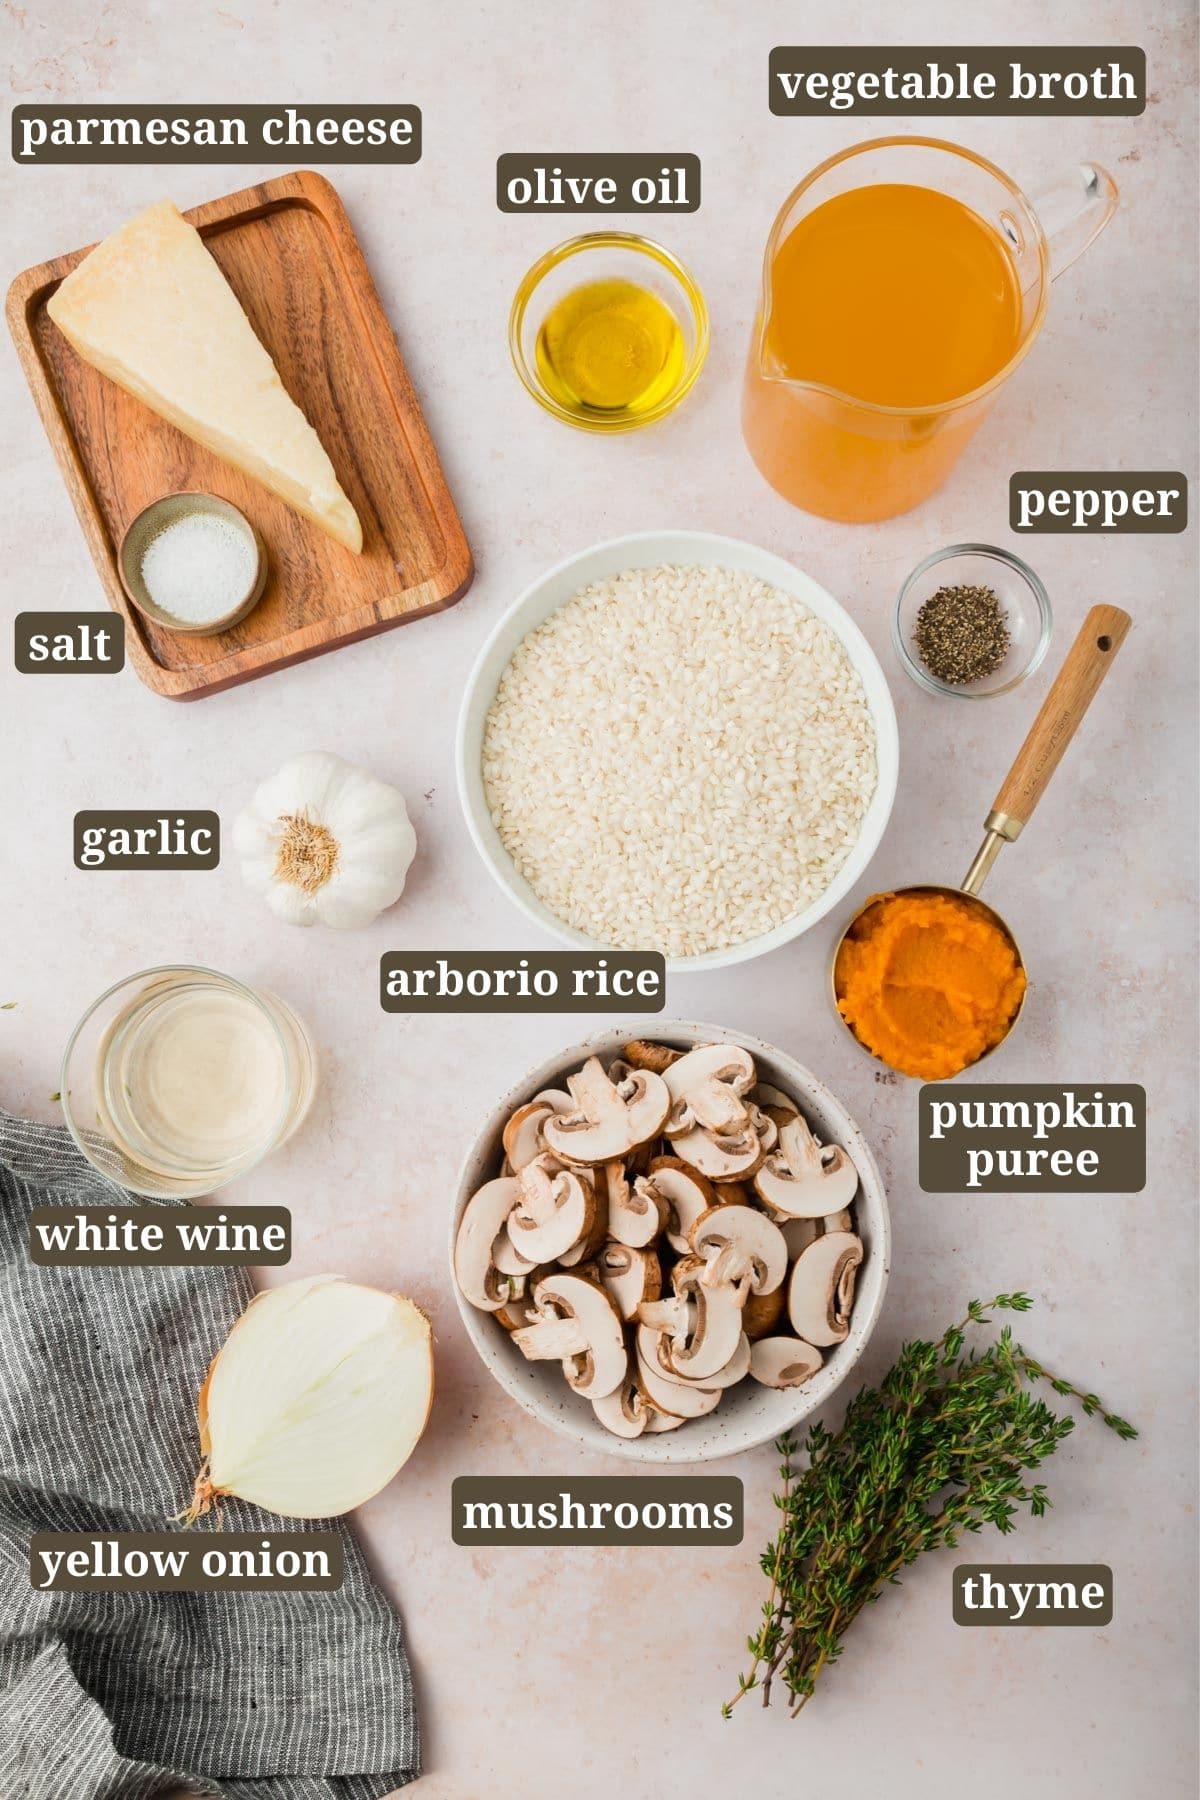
(180, 1078)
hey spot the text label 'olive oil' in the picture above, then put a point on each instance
(617, 183)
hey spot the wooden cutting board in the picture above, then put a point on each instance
(290, 254)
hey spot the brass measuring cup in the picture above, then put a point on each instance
(1075, 686)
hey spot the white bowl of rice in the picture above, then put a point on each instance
(676, 741)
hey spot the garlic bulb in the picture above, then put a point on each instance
(317, 1399)
(325, 842)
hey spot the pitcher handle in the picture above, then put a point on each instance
(1073, 210)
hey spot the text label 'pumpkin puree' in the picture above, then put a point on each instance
(928, 982)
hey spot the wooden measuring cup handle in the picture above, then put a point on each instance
(1090, 658)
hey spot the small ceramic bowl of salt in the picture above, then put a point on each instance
(193, 563)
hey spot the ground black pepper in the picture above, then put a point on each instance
(961, 634)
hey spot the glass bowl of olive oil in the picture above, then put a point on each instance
(608, 331)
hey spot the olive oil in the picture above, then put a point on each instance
(608, 348)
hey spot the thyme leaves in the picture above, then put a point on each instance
(942, 1446)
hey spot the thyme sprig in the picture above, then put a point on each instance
(940, 1447)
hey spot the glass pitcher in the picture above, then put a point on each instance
(850, 459)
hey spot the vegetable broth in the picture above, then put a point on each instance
(890, 296)
(897, 295)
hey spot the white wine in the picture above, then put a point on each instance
(197, 1078)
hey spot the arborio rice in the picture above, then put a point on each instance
(679, 758)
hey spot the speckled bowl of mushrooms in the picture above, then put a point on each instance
(670, 1242)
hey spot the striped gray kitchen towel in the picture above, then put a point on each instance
(126, 1696)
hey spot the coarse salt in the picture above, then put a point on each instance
(198, 568)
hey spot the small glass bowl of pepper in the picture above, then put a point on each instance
(972, 620)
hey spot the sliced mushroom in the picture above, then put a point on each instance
(735, 1370)
(726, 1158)
(642, 1054)
(514, 1313)
(765, 1128)
(706, 1088)
(805, 1178)
(625, 1412)
(635, 1213)
(633, 1278)
(740, 1244)
(576, 1325)
(664, 1160)
(523, 1134)
(607, 1121)
(557, 1099)
(673, 1314)
(712, 1127)
(661, 1421)
(686, 1400)
(685, 1192)
(730, 1193)
(518, 1308)
(784, 1362)
(704, 1327)
(484, 1218)
(655, 1346)
(515, 1286)
(762, 1313)
(509, 1261)
(821, 1293)
(774, 1100)
(590, 1244)
(798, 1234)
(639, 1160)
(555, 1212)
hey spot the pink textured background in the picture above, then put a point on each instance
(551, 1672)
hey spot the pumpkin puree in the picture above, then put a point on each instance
(928, 983)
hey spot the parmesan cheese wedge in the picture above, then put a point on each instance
(150, 309)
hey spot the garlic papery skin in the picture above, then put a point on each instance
(325, 843)
(317, 1399)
